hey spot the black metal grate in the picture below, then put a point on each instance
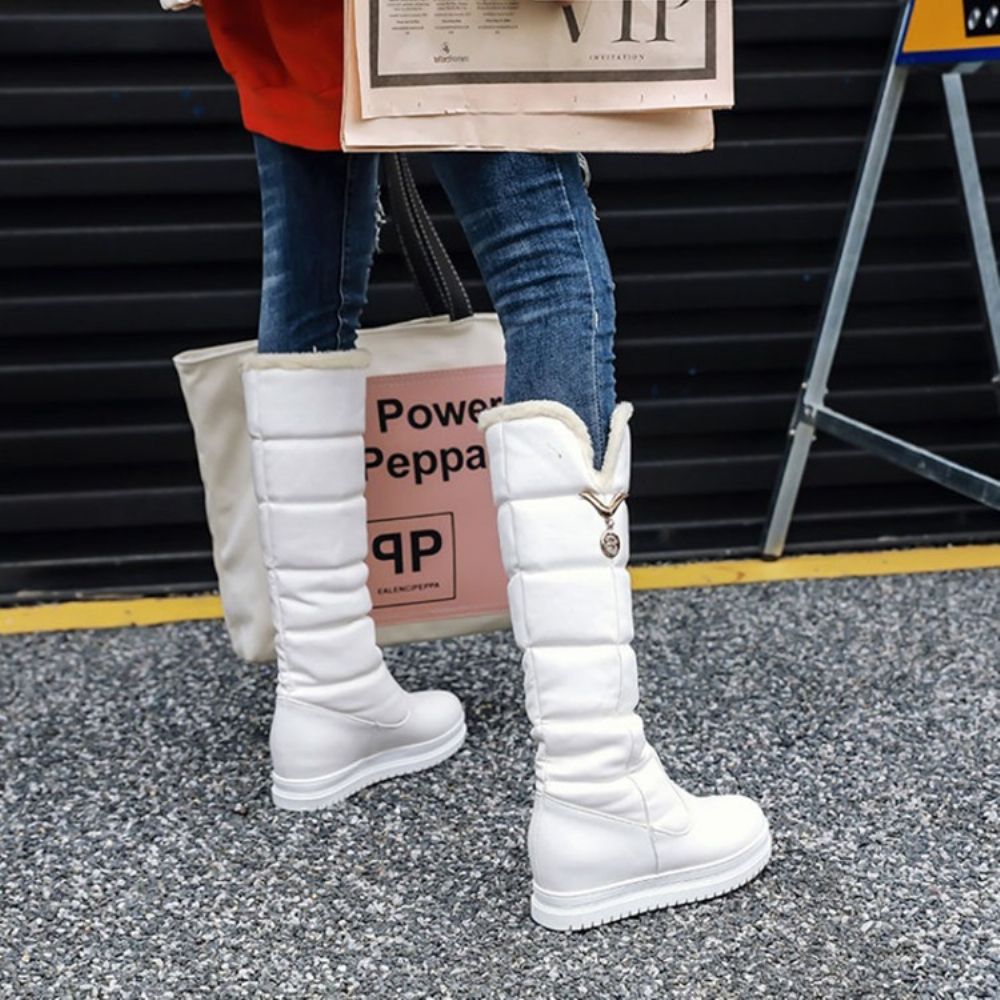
(129, 230)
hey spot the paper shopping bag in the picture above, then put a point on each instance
(627, 76)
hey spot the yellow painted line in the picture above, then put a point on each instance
(716, 573)
(108, 614)
(817, 567)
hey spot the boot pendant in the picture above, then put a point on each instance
(611, 544)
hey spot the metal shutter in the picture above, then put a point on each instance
(129, 230)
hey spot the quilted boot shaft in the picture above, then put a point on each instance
(571, 607)
(341, 721)
(308, 457)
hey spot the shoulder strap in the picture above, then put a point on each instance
(423, 250)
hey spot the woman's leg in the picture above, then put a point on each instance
(610, 833)
(340, 719)
(531, 225)
(318, 213)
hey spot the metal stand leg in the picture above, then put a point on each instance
(975, 208)
(814, 389)
(811, 411)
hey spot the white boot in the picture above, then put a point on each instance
(611, 835)
(340, 719)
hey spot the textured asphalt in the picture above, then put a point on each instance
(140, 855)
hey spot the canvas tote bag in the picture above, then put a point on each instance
(434, 557)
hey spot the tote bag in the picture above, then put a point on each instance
(434, 557)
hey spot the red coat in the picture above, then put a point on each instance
(286, 57)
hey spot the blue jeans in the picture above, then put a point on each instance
(532, 228)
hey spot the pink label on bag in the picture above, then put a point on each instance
(433, 550)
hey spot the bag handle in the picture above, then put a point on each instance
(425, 254)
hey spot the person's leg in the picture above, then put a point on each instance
(610, 833)
(531, 225)
(340, 719)
(318, 215)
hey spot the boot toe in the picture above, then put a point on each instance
(434, 714)
(724, 826)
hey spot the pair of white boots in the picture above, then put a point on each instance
(610, 834)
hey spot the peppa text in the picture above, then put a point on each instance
(439, 460)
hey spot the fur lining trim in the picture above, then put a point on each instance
(559, 411)
(306, 360)
(541, 408)
(617, 432)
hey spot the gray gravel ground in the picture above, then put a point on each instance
(142, 858)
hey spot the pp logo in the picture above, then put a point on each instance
(412, 560)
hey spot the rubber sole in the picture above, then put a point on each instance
(653, 893)
(320, 793)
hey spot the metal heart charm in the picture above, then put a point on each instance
(611, 544)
